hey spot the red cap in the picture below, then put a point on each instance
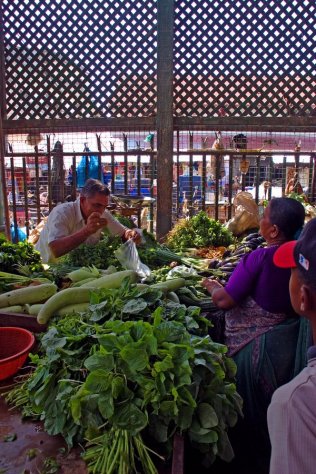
(284, 255)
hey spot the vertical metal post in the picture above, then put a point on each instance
(99, 156)
(13, 192)
(190, 200)
(230, 186)
(112, 169)
(125, 164)
(165, 12)
(309, 193)
(284, 175)
(203, 196)
(26, 204)
(49, 173)
(178, 175)
(257, 178)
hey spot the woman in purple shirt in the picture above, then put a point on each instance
(261, 328)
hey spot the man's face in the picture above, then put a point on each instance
(97, 203)
(296, 291)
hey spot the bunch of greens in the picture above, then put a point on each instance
(154, 254)
(126, 221)
(132, 368)
(13, 255)
(101, 254)
(198, 231)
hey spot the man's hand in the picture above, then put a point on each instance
(95, 222)
(132, 234)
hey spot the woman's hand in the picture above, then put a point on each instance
(211, 285)
(132, 234)
(219, 295)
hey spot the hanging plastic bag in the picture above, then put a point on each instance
(246, 214)
(88, 167)
(128, 257)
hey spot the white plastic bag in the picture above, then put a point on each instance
(128, 257)
(246, 214)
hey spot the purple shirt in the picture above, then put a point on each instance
(257, 276)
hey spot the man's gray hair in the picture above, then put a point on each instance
(93, 187)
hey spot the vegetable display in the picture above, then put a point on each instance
(221, 269)
(132, 368)
(198, 231)
(23, 253)
(101, 254)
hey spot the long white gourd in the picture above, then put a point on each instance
(73, 308)
(29, 294)
(114, 280)
(61, 299)
(81, 294)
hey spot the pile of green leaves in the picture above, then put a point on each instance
(198, 231)
(101, 254)
(153, 254)
(14, 255)
(126, 221)
(133, 367)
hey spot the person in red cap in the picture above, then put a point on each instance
(292, 412)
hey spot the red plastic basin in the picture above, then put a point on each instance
(15, 346)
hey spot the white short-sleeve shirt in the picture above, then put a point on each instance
(66, 219)
(292, 423)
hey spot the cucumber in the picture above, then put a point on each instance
(114, 280)
(61, 299)
(12, 309)
(73, 308)
(172, 296)
(33, 309)
(169, 285)
(82, 282)
(29, 294)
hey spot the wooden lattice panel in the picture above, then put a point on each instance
(245, 58)
(80, 58)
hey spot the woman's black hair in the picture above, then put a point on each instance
(288, 214)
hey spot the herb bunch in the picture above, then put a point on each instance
(197, 232)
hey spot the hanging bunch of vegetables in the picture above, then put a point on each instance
(131, 369)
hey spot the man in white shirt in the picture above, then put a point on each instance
(82, 221)
(292, 412)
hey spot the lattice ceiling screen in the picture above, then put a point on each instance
(80, 58)
(92, 58)
(245, 58)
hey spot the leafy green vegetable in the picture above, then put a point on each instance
(133, 364)
(101, 254)
(23, 253)
(198, 231)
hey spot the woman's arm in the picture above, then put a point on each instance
(219, 295)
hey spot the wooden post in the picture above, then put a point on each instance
(4, 207)
(164, 116)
